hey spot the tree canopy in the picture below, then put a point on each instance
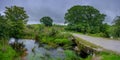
(84, 19)
(4, 28)
(47, 21)
(17, 18)
(15, 13)
(116, 26)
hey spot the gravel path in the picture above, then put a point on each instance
(113, 45)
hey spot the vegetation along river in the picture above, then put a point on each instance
(36, 51)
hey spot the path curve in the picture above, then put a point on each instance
(113, 45)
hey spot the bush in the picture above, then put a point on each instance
(47, 40)
(63, 35)
(53, 32)
(8, 54)
(109, 55)
(70, 55)
(63, 42)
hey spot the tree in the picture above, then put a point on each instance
(4, 32)
(47, 21)
(17, 18)
(105, 30)
(85, 19)
(15, 13)
(4, 28)
(116, 27)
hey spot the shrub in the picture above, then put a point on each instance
(63, 41)
(8, 54)
(70, 55)
(63, 35)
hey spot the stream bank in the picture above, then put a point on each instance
(36, 51)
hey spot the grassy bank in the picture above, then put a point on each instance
(6, 52)
(54, 37)
(105, 55)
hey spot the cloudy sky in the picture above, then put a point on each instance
(57, 8)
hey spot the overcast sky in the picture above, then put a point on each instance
(56, 9)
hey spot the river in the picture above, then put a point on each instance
(36, 51)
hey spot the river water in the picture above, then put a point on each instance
(36, 51)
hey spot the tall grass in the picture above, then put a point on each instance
(109, 55)
(70, 55)
(6, 53)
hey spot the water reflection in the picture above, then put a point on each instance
(37, 52)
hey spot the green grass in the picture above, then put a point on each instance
(52, 36)
(70, 55)
(107, 55)
(8, 53)
(54, 41)
(110, 57)
(62, 41)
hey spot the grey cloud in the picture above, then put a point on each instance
(109, 7)
(57, 8)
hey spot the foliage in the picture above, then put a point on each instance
(9, 54)
(17, 18)
(116, 27)
(28, 34)
(70, 55)
(105, 30)
(105, 55)
(110, 57)
(98, 35)
(53, 37)
(15, 13)
(4, 28)
(35, 31)
(17, 29)
(84, 19)
(12, 24)
(47, 21)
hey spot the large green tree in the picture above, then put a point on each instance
(47, 21)
(116, 27)
(85, 19)
(17, 18)
(4, 28)
(105, 30)
(4, 32)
